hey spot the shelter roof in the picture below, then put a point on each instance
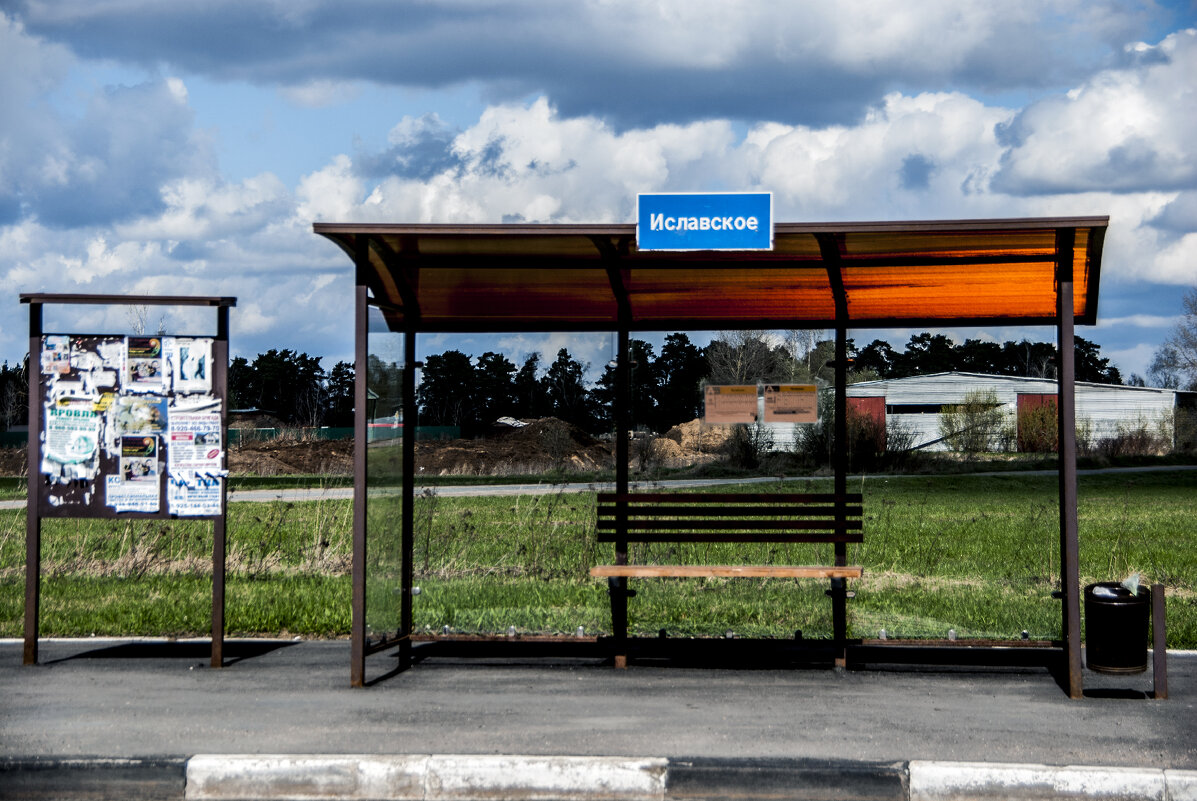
(593, 277)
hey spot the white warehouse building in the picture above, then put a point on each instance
(914, 403)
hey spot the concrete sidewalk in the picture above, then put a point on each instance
(138, 717)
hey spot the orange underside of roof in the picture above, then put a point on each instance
(592, 277)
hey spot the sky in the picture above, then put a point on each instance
(186, 148)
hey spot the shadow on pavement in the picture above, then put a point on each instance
(234, 650)
(730, 653)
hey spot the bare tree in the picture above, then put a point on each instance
(801, 342)
(744, 357)
(1177, 357)
(139, 319)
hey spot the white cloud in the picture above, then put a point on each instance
(1128, 129)
(590, 349)
(205, 209)
(1176, 263)
(1135, 359)
(928, 155)
(333, 193)
(1139, 321)
(105, 165)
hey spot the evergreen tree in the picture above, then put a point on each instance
(680, 370)
(566, 393)
(495, 387)
(339, 395)
(447, 395)
(530, 401)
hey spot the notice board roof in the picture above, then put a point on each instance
(495, 278)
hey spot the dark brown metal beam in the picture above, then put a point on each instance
(33, 520)
(496, 325)
(408, 528)
(1066, 411)
(357, 636)
(130, 300)
(829, 245)
(763, 260)
(220, 378)
(629, 229)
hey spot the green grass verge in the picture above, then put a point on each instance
(979, 555)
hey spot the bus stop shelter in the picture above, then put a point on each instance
(440, 278)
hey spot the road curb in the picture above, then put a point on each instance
(954, 781)
(450, 777)
(427, 777)
(465, 778)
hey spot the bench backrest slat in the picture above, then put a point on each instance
(642, 498)
(729, 517)
(730, 536)
(728, 524)
(780, 512)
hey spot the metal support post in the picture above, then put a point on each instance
(357, 658)
(220, 374)
(407, 544)
(1066, 411)
(623, 400)
(839, 604)
(33, 518)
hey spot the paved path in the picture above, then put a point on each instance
(159, 704)
(155, 698)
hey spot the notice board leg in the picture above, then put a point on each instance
(218, 556)
(33, 564)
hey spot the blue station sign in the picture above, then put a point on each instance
(714, 221)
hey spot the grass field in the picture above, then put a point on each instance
(979, 555)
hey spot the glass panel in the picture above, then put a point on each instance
(384, 472)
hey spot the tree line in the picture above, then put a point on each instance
(457, 389)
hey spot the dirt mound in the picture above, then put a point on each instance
(538, 446)
(284, 456)
(696, 437)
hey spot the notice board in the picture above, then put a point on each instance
(130, 425)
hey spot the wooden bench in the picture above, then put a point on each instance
(727, 518)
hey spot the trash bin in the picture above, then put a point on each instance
(1116, 628)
